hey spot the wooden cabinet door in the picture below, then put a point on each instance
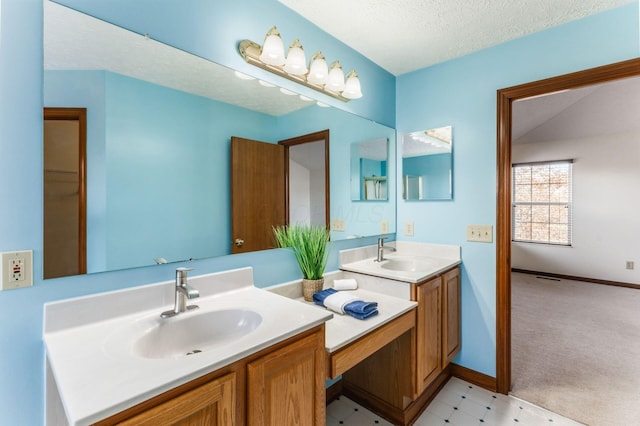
(428, 332)
(210, 404)
(286, 387)
(257, 193)
(450, 315)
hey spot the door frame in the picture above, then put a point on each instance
(79, 115)
(299, 140)
(506, 97)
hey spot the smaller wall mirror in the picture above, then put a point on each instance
(369, 160)
(427, 164)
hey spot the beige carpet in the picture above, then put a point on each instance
(576, 349)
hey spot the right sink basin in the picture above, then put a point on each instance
(408, 264)
(407, 268)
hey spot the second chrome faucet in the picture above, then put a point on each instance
(382, 248)
(183, 291)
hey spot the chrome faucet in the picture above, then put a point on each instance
(381, 249)
(183, 292)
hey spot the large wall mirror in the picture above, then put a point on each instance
(153, 171)
(427, 164)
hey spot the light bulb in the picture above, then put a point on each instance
(296, 61)
(336, 78)
(352, 88)
(318, 70)
(273, 50)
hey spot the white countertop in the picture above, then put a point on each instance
(97, 379)
(341, 330)
(344, 329)
(431, 259)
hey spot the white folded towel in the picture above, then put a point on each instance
(345, 284)
(337, 301)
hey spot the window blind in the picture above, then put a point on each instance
(542, 202)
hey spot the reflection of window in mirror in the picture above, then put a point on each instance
(369, 162)
(427, 164)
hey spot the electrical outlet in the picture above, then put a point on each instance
(384, 227)
(408, 229)
(480, 233)
(629, 264)
(17, 269)
(337, 225)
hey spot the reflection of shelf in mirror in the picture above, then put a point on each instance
(375, 188)
(74, 172)
(60, 176)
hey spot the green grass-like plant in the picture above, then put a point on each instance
(309, 244)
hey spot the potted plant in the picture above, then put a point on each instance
(309, 245)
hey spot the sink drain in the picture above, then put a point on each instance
(195, 351)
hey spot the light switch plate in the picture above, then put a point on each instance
(480, 233)
(337, 225)
(16, 269)
(384, 227)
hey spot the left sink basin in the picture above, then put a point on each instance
(186, 334)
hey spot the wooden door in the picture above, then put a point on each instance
(212, 404)
(428, 332)
(287, 386)
(64, 146)
(257, 194)
(450, 315)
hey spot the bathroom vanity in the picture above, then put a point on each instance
(399, 380)
(252, 356)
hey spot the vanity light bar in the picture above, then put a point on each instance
(250, 51)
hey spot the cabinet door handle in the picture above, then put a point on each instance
(239, 242)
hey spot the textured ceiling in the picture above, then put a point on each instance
(406, 35)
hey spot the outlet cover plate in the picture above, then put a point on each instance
(408, 229)
(16, 269)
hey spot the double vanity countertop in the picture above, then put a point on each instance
(98, 364)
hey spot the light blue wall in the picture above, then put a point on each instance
(188, 24)
(172, 148)
(463, 94)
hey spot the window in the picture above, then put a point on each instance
(541, 206)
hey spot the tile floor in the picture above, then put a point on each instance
(459, 404)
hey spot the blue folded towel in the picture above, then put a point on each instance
(357, 309)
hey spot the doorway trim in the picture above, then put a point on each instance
(322, 135)
(506, 97)
(79, 115)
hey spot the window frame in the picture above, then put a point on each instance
(567, 203)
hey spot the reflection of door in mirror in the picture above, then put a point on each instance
(277, 184)
(64, 192)
(307, 179)
(412, 187)
(257, 193)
